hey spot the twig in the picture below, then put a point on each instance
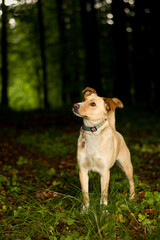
(62, 194)
(132, 214)
(99, 230)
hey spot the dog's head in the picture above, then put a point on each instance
(95, 108)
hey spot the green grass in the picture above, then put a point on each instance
(53, 213)
(40, 200)
(50, 142)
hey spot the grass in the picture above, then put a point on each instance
(53, 215)
(40, 191)
(50, 143)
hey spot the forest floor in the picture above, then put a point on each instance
(40, 191)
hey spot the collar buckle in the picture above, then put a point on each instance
(93, 129)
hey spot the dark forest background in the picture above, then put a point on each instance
(50, 50)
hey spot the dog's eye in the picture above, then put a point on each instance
(92, 104)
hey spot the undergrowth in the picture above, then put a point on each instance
(41, 197)
(49, 213)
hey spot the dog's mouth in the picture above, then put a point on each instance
(77, 113)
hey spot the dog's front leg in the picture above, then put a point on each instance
(105, 177)
(83, 175)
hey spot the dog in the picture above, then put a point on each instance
(99, 144)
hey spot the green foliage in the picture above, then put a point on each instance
(11, 183)
(39, 200)
(60, 218)
(53, 145)
(22, 161)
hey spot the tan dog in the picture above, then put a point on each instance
(99, 144)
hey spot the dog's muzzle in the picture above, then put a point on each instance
(76, 107)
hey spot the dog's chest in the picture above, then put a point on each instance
(93, 160)
(92, 146)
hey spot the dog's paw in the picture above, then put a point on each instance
(132, 196)
(105, 212)
(103, 202)
(85, 209)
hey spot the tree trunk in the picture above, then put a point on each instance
(91, 43)
(142, 57)
(121, 71)
(155, 10)
(75, 80)
(4, 100)
(63, 51)
(43, 57)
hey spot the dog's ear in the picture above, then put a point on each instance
(112, 103)
(118, 102)
(109, 104)
(88, 91)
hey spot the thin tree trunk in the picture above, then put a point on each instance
(4, 100)
(91, 42)
(121, 73)
(75, 90)
(63, 52)
(155, 9)
(142, 57)
(43, 57)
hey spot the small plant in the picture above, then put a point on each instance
(149, 224)
(22, 161)
(4, 181)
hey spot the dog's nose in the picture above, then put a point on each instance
(76, 106)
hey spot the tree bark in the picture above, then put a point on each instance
(4, 100)
(142, 56)
(91, 43)
(75, 79)
(63, 50)
(155, 11)
(42, 49)
(121, 68)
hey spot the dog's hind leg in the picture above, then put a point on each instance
(124, 161)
